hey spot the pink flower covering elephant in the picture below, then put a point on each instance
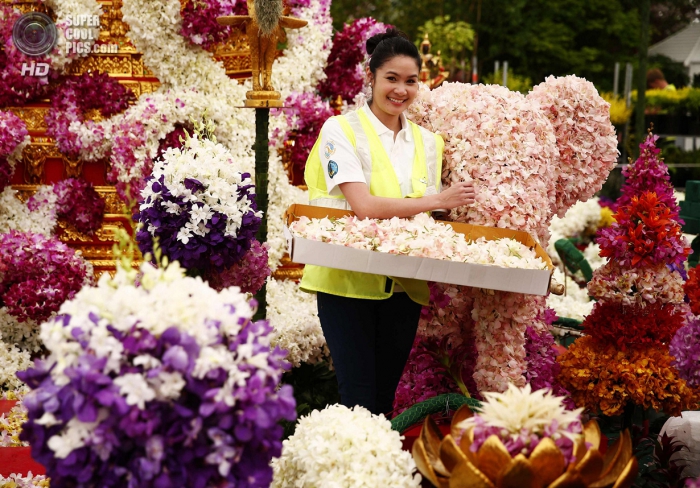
(530, 157)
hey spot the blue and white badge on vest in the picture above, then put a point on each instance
(329, 150)
(332, 168)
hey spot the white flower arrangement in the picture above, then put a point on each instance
(293, 315)
(19, 481)
(340, 447)
(580, 218)
(212, 166)
(575, 304)
(592, 255)
(420, 236)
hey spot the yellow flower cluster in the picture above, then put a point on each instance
(606, 217)
(619, 111)
(603, 378)
(11, 427)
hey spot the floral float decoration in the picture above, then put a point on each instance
(624, 358)
(156, 379)
(522, 438)
(527, 186)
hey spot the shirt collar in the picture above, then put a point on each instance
(381, 129)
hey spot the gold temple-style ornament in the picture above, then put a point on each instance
(450, 462)
(264, 26)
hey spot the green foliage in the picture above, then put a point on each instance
(515, 82)
(454, 40)
(315, 387)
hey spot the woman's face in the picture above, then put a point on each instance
(395, 85)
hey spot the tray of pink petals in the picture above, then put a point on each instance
(419, 247)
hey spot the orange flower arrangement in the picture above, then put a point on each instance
(603, 378)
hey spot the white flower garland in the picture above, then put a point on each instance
(294, 316)
(73, 9)
(12, 359)
(301, 67)
(342, 448)
(14, 215)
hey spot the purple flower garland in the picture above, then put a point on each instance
(79, 204)
(13, 130)
(74, 97)
(344, 75)
(40, 274)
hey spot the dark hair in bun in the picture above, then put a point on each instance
(390, 44)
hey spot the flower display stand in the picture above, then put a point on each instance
(18, 460)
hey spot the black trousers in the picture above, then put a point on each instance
(370, 341)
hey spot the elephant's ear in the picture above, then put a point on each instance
(585, 137)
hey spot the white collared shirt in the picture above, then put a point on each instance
(401, 152)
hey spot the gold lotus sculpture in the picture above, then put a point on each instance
(448, 461)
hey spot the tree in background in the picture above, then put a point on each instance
(538, 37)
(454, 40)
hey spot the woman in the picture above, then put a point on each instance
(380, 165)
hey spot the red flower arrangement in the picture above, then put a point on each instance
(630, 325)
(646, 232)
(692, 290)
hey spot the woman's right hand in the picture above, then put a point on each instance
(457, 195)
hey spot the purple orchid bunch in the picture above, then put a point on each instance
(199, 208)
(307, 112)
(685, 349)
(157, 380)
(542, 366)
(74, 200)
(40, 274)
(344, 71)
(13, 132)
(249, 274)
(77, 95)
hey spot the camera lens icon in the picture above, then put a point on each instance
(34, 34)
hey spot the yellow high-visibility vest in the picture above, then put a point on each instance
(383, 182)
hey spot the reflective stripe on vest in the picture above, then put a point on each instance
(381, 179)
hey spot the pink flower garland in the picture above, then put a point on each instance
(41, 273)
(79, 204)
(73, 98)
(501, 319)
(585, 137)
(13, 131)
